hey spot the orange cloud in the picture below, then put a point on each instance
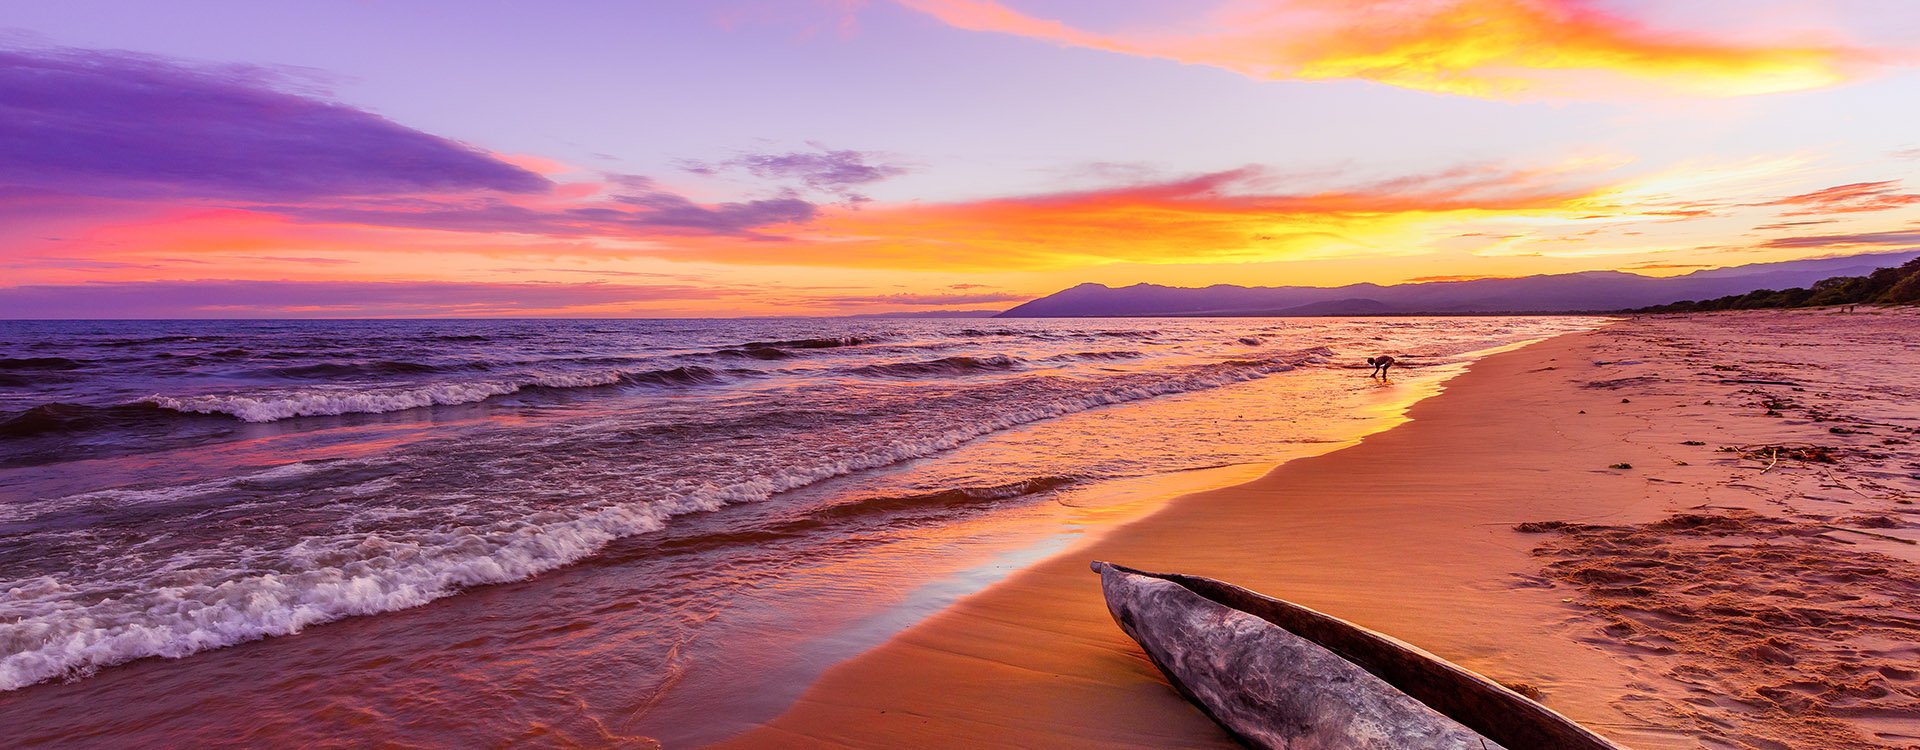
(1233, 216)
(1909, 237)
(1487, 48)
(1229, 216)
(1858, 197)
(1581, 208)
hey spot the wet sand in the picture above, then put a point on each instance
(1682, 531)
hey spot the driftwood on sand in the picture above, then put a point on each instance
(1280, 675)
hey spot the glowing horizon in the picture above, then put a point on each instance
(845, 157)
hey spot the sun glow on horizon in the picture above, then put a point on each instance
(1574, 136)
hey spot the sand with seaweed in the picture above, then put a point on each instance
(1689, 531)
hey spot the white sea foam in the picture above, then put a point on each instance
(51, 626)
(279, 405)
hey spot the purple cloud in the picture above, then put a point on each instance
(1792, 224)
(657, 208)
(125, 125)
(326, 299)
(1910, 237)
(643, 210)
(836, 171)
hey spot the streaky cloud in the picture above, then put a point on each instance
(640, 210)
(835, 171)
(123, 125)
(1242, 214)
(1857, 197)
(1485, 48)
(1902, 237)
(233, 298)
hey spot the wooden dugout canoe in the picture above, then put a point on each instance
(1279, 675)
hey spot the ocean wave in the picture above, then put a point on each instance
(275, 406)
(677, 376)
(333, 402)
(942, 366)
(825, 342)
(1096, 356)
(882, 506)
(61, 417)
(51, 628)
(38, 379)
(756, 352)
(157, 340)
(983, 332)
(947, 498)
(119, 500)
(323, 370)
(40, 363)
(220, 354)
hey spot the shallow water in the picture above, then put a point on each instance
(620, 529)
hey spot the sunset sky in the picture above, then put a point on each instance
(824, 157)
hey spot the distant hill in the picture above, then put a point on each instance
(1899, 285)
(1572, 292)
(930, 314)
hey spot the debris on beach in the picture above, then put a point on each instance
(1780, 660)
(1806, 452)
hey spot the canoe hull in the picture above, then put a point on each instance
(1279, 675)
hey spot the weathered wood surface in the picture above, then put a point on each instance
(1279, 675)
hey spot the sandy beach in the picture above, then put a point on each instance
(1686, 531)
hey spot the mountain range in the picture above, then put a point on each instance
(1590, 291)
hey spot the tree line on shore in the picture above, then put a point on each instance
(1898, 285)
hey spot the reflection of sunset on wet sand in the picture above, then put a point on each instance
(1700, 597)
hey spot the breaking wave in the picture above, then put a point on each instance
(948, 498)
(942, 366)
(62, 417)
(51, 628)
(1096, 356)
(275, 406)
(825, 342)
(756, 352)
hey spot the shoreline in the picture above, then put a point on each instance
(716, 623)
(1099, 509)
(1410, 532)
